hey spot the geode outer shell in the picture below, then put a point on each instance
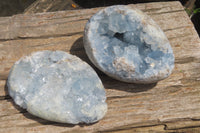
(128, 45)
(57, 86)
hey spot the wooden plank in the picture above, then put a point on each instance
(66, 22)
(131, 107)
(59, 5)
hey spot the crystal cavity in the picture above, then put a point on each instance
(128, 45)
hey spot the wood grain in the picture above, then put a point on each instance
(169, 105)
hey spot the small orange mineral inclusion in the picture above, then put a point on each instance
(73, 5)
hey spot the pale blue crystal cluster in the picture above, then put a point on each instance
(128, 45)
(57, 86)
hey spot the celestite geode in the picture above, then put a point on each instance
(57, 86)
(128, 45)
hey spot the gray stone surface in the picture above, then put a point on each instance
(57, 86)
(128, 45)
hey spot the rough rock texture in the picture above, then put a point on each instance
(58, 87)
(171, 105)
(128, 45)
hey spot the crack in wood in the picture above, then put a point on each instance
(124, 129)
(47, 24)
(6, 97)
(176, 11)
(43, 37)
(187, 60)
(180, 27)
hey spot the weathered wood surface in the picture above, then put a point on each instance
(170, 105)
(59, 5)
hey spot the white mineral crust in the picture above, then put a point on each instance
(57, 86)
(128, 45)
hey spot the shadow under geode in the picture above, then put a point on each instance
(108, 82)
(35, 118)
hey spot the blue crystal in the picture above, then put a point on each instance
(57, 86)
(128, 45)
